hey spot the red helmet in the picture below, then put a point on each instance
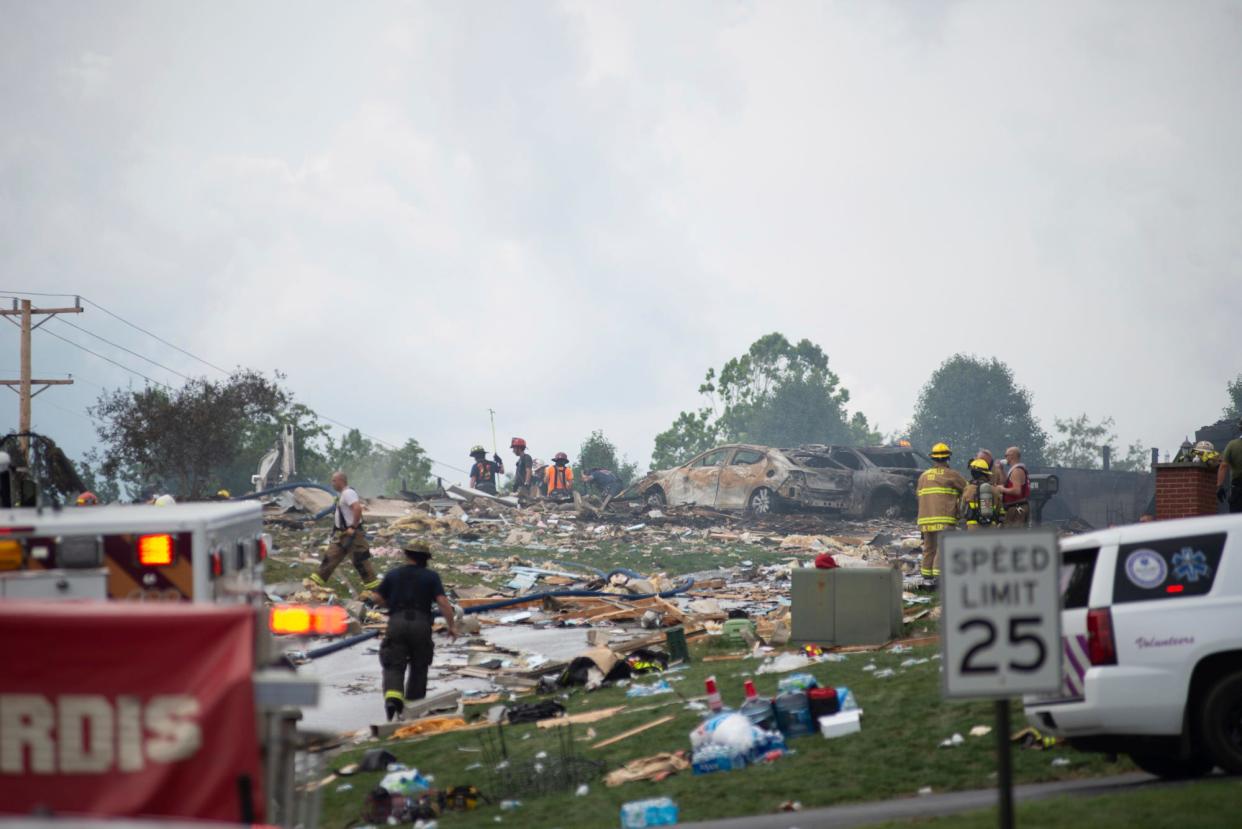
(560, 456)
(87, 499)
(517, 443)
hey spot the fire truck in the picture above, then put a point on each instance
(140, 676)
(208, 552)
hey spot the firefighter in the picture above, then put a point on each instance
(1016, 491)
(939, 491)
(978, 505)
(524, 471)
(348, 537)
(409, 592)
(559, 477)
(483, 473)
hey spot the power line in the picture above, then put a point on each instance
(126, 350)
(106, 359)
(155, 336)
(208, 363)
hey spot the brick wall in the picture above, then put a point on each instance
(1184, 489)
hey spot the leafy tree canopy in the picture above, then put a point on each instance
(972, 403)
(598, 451)
(778, 393)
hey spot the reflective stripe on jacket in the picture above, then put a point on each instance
(939, 490)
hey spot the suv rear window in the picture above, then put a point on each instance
(1077, 567)
(1167, 569)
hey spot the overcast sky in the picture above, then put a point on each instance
(568, 211)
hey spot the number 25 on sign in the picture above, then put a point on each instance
(1001, 622)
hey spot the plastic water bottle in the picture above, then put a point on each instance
(657, 811)
(714, 702)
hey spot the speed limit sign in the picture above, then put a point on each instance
(1001, 617)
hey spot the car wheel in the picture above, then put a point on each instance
(655, 497)
(762, 501)
(1220, 723)
(883, 504)
(1171, 767)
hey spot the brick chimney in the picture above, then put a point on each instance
(1184, 490)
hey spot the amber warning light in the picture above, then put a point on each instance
(330, 620)
(155, 550)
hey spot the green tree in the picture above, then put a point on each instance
(181, 440)
(598, 451)
(690, 434)
(373, 469)
(310, 439)
(1234, 389)
(778, 393)
(1081, 446)
(1081, 443)
(971, 403)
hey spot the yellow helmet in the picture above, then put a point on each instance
(941, 452)
(223, 493)
(979, 465)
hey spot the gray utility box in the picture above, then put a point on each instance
(846, 606)
(55, 584)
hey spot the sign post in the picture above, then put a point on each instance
(1001, 626)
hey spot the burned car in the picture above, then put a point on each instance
(761, 479)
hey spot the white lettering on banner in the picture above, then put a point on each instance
(85, 730)
(178, 735)
(89, 734)
(26, 721)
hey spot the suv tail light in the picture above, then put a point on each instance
(1101, 647)
(262, 544)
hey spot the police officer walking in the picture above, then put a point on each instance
(409, 592)
(348, 537)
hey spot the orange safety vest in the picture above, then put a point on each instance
(559, 477)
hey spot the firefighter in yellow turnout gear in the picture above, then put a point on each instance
(939, 492)
(980, 503)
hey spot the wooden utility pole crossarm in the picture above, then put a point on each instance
(25, 312)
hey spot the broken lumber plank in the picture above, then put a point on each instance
(625, 735)
(584, 717)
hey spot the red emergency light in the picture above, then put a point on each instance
(1175, 588)
(330, 620)
(261, 548)
(155, 550)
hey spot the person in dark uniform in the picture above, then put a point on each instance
(483, 473)
(409, 592)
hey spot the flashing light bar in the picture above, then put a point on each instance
(330, 620)
(1175, 588)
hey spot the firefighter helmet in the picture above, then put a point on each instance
(979, 468)
(417, 549)
(517, 443)
(1205, 446)
(941, 452)
(87, 499)
(224, 494)
(477, 450)
(560, 457)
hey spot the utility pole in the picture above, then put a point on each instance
(25, 312)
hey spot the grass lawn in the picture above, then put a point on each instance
(896, 753)
(1208, 804)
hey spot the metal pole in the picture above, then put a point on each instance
(24, 394)
(1004, 765)
(495, 445)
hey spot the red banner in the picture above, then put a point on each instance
(120, 709)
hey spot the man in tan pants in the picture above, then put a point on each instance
(347, 537)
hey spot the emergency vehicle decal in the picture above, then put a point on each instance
(127, 579)
(1075, 666)
(1146, 569)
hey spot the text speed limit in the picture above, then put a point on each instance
(1001, 622)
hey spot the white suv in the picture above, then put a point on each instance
(1152, 638)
